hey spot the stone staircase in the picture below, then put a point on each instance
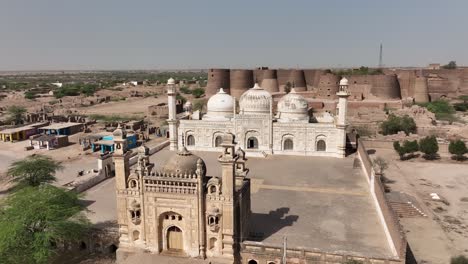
(404, 205)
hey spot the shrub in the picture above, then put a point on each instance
(395, 124)
(380, 165)
(458, 149)
(459, 260)
(399, 149)
(353, 261)
(29, 95)
(429, 147)
(442, 109)
(462, 107)
(185, 90)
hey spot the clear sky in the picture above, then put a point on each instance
(152, 34)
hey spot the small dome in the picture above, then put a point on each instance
(220, 106)
(119, 132)
(344, 81)
(255, 101)
(293, 107)
(183, 162)
(214, 181)
(171, 81)
(143, 150)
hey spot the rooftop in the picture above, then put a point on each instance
(317, 203)
(61, 125)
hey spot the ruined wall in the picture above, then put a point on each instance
(217, 78)
(327, 86)
(421, 94)
(241, 81)
(385, 86)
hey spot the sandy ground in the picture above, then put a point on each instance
(131, 106)
(444, 233)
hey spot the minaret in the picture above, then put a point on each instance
(122, 170)
(121, 159)
(342, 109)
(172, 121)
(228, 166)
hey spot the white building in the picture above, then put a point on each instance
(292, 131)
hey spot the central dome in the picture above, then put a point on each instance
(220, 106)
(183, 162)
(255, 101)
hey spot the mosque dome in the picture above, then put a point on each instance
(220, 106)
(171, 81)
(293, 107)
(255, 101)
(343, 81)
(183, 162)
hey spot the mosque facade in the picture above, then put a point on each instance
(292, 130)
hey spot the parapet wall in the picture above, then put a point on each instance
(392, 222)
(268, 254)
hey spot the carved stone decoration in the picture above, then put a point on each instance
(135, 212)
(213, 219)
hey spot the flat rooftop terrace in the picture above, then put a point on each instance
(316, 202)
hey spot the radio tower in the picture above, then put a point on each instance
(380, 57)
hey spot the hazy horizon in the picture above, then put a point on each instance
(54, 35)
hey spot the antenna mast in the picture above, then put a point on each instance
(380, 56)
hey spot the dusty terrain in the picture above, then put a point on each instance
(444, 232)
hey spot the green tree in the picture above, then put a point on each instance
(451, 65)
(429, 147)
(34, 220)
(410, 147)
(287, 87)
(16, 114)
(459, 260)
(395, 124)
(34, 170)
(458, 149)
(198, 92)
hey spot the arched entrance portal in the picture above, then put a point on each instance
(174, 239)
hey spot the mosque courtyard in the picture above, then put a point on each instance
(315, 202)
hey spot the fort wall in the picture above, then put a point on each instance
(217, 78)
(240, 81)
(297, 79)
(327, 86)
(421, 94)
(269, 81)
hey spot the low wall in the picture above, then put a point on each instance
(390, 218)
(274, 254)
(92, 178)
